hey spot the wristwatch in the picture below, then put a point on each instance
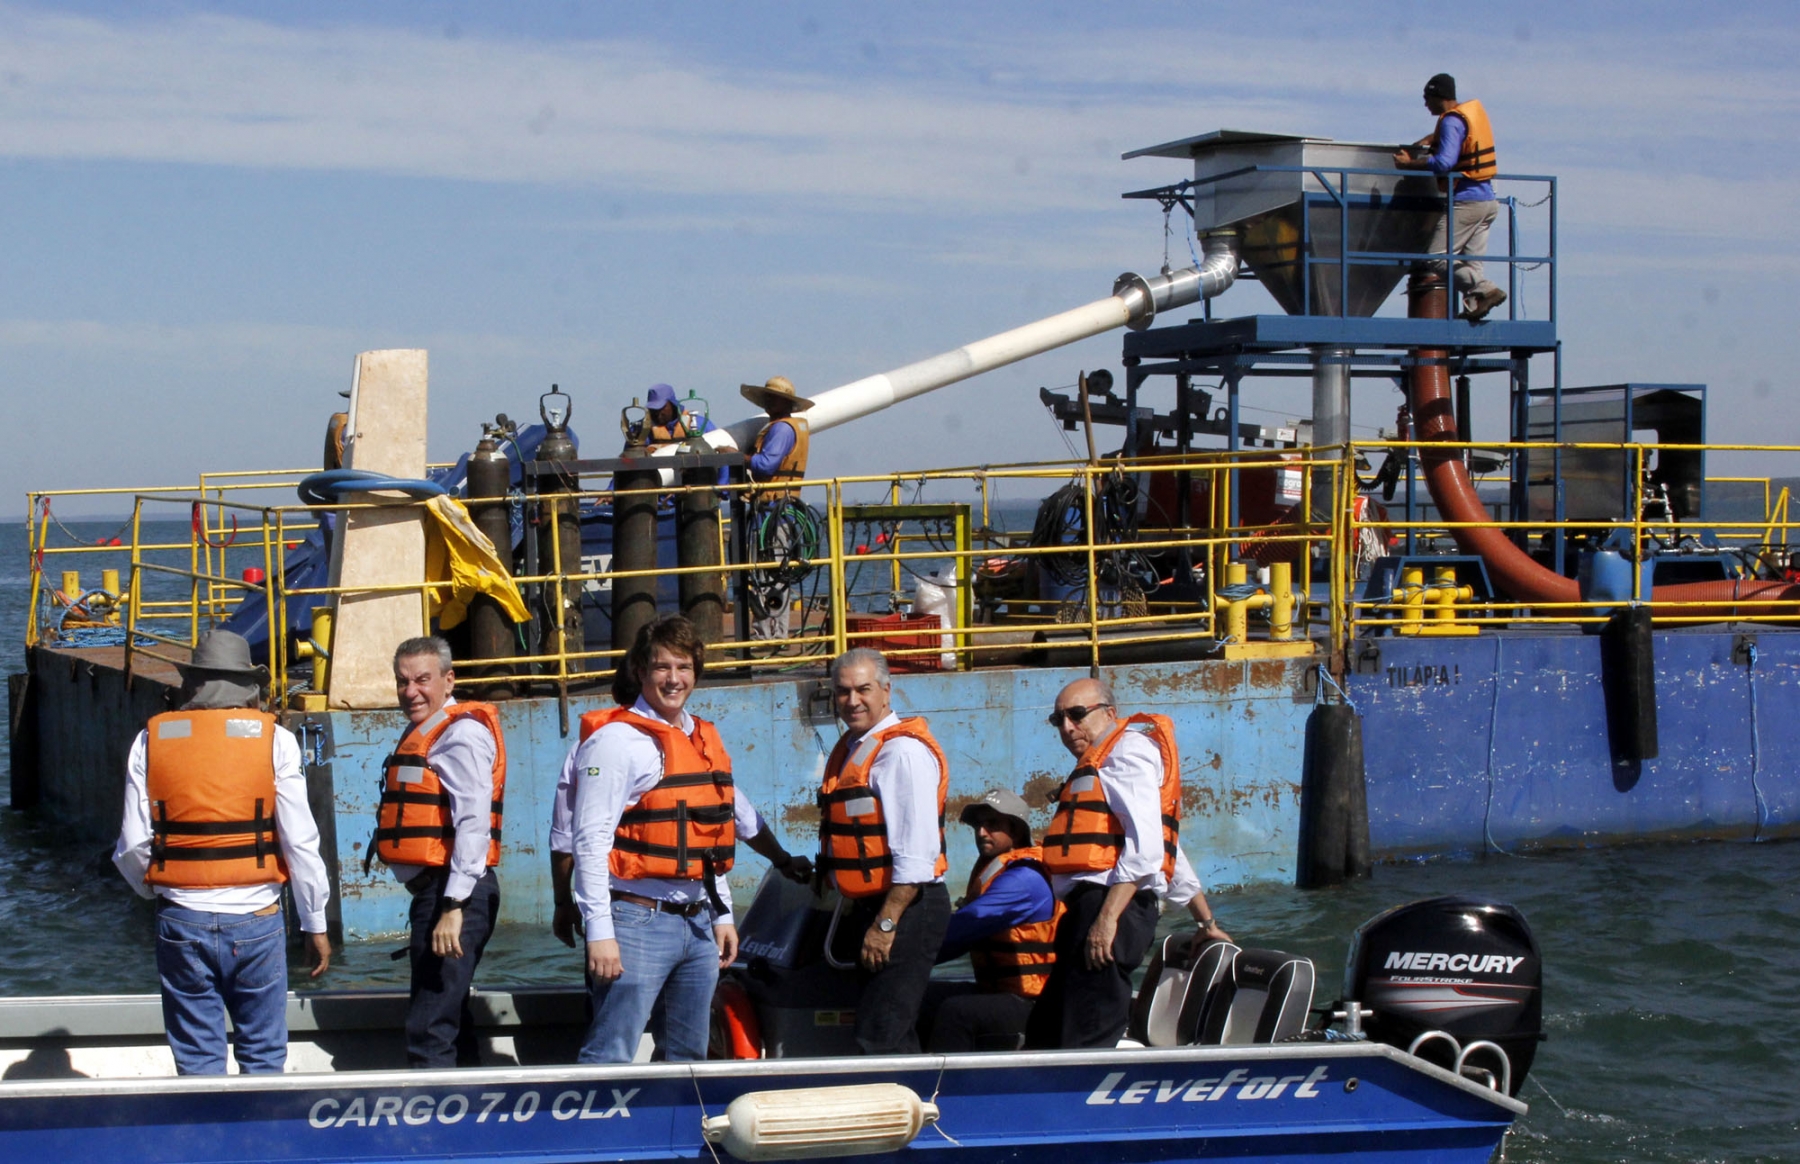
(885, 925)
(1208, 924)
(456, 903)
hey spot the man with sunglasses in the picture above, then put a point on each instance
(1111, 852)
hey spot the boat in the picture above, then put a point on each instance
(1230, 1069)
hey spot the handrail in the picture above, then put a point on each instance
(167, 602)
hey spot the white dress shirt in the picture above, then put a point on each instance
(295, 829)
(904, 778)
(1185, 883)
(611, 770)
(463, 758)
(1131, 780)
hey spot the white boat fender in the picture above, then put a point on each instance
(804, 1122)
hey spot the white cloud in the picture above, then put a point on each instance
(1042, 133)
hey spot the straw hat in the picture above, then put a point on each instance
(777, 388)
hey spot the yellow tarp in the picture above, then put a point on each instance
(458, 553)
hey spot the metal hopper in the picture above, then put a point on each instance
(1390, 212)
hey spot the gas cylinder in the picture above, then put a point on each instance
(491, 633)
(697, 544)
(559, 529)
(634, 533)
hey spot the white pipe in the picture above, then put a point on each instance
(1134, 302)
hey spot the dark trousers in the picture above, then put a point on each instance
(439, 1029)
(960, 1016)
(1089, 1008)
(888, 1012)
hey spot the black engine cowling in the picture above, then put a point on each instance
(1462, 965)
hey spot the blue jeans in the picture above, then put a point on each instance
(663, 954)
(214, 964)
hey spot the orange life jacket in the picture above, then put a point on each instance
(682, 826)
(210, 779)
(1084, 835)
(1017, 960)
(793, 466)
(414, 824)
(853, 839)
(1477, 161)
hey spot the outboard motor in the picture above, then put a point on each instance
(786, 1000)
(1463, 971)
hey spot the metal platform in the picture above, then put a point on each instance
(1211, 342)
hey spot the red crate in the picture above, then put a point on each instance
(905, 632)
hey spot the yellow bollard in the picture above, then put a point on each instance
(1281, 605)
(71, 585)
(1412, 596)
(321, 642)
(1237, 611)
(109, 582)
(1445, 577)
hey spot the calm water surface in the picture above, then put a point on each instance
(1672, 972)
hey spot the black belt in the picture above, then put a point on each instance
(690, 909)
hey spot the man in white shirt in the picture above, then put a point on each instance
(218, 764)
(653, 836)
(1111, 850)
(881, 839)
(438, 830)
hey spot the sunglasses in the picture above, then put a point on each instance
(1075, 714)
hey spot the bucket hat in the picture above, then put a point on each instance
(223, 653)
(220, 673)
(1000, 802)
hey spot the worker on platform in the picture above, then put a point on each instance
(653, 837)
(1111, 850)
(670, 424)
(1463, 142)
(216, 821)
(777, 455)
(438, 829)
(1006, 924)
(752, 829)
(881, 840)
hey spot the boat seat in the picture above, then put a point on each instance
(1176, 971)
(1259, 996)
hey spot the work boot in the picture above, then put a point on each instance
(1477, 304)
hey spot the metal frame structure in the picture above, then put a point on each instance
(1373, 347)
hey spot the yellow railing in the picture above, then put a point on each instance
(1136, 582)
(1415, 604)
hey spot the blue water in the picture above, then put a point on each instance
(1672, 971)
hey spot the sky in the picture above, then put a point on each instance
(211, 208)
